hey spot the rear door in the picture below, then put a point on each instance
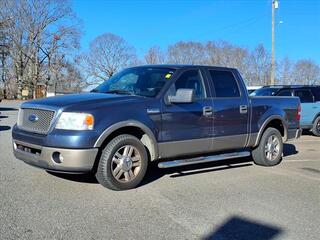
(309, 108)
(230, 109)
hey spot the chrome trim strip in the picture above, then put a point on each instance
(153, 110)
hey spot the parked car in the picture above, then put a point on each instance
(310, 103)
(175, 114)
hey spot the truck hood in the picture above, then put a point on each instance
(76, 100)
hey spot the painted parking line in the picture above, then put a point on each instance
(299, 160)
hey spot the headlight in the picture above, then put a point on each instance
(75, 121)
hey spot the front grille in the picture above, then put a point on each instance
(35, 120)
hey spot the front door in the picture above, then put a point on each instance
(187, 127)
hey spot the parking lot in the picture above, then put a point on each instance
(223, 200)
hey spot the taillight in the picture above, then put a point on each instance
(299, 113)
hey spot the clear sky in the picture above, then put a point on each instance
(242, 22)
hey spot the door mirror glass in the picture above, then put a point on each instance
(183, 95)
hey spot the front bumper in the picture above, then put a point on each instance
(72, 160)
(294, 134)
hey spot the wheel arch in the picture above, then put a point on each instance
(276, 122)
(316, 116)
(134, 128)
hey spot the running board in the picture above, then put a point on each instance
(189, 161)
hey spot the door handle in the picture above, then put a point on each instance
(207, 111)
(243, 109)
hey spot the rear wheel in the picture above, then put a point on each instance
(316, 127)
(270, 148)
(123, 163)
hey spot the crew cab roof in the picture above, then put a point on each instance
(182, 66)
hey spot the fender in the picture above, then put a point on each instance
(131, 123)
(266, 122)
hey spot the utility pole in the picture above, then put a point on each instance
(275, 5)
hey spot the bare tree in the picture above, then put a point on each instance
(186, 53)
(284, 71)
(108, 53)
(306, 72)
(260, 66)
(155, 56)
(38, 30)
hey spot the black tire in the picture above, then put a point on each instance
(259, 154)
(105, 174)
(316, 127)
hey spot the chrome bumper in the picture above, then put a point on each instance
(55, 159)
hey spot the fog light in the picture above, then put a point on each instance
(57, 157)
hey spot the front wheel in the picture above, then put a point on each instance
(270, 148)
(316, 127)
(123, 163)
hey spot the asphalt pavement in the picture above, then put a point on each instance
(225, 200)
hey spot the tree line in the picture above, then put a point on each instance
(40, 44)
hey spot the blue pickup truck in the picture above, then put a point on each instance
(310, 103)
(174, 114)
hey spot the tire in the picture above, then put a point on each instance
(123, 163)
(316, 127)
(266, 154)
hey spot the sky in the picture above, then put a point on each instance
(246, 23)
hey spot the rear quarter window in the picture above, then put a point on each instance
(305, 95)
(316, 93)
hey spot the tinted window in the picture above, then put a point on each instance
(304, 95)
(190, 79)
(316, 93)
(284, 93)
(225, 85)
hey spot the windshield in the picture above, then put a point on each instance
(142, 81)
(265, 92)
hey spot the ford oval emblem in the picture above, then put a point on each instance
(33, 118)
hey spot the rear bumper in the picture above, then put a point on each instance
(71, 160)
(294, 134)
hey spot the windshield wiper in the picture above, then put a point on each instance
(120, 91)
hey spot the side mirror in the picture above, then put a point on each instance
(183, 95)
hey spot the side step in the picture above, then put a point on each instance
(189, 161)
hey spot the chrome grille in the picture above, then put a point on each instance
(41, 123)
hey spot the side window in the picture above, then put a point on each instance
(225, 85)
(304, 95)
(190, 79)
(285, 93)
(316, 93)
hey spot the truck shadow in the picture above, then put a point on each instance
(289, 149)
(154, 173)
(240, 228)
(4, 128)
(84, 178)
(3, 109)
